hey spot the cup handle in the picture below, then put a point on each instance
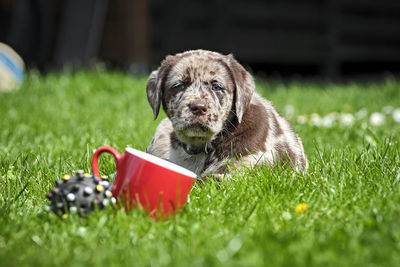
(101, 150)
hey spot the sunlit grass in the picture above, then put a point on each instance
(52, 125)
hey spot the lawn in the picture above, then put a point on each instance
(350, 195)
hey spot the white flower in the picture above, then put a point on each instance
(286, 216)
(396, 115)
(361, 114)
(327, 121)
(377, 119)
(347, 119)
(315, 119)
(301, 119)
(334, 115)
(387, 109)
(289, 111)
(81, 231)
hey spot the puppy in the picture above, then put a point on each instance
(216, 120)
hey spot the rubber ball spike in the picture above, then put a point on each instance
(99, 188)
(108, 193)
(88, 190)
(73, 209)
(95, 179)
(76, 195)
(71, 197)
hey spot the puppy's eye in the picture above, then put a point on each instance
(216, 87)
(180, 86)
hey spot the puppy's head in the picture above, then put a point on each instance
(199, 91)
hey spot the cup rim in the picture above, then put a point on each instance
(161, 162)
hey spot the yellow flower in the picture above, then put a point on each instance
(302, 207)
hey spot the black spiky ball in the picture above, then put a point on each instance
(80, 194)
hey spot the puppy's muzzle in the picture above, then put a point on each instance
(198, 108)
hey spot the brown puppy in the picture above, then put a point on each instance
(215, 117)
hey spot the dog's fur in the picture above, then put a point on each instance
(215, 117)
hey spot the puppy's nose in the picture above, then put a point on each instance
(198, 108)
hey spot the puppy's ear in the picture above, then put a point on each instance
(155, 83)
(154, 92)
(244, 87)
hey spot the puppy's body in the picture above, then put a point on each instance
(215, 118)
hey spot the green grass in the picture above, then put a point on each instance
(52, 125)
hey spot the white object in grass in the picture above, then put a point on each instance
(301, 119)
(361, 114)
(377, 119)
(327, 121)
(396, 115)
(289, 111)
(347, 119)
(315, 119)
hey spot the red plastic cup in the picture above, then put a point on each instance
(159, 186)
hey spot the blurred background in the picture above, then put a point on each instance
(333, 39)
